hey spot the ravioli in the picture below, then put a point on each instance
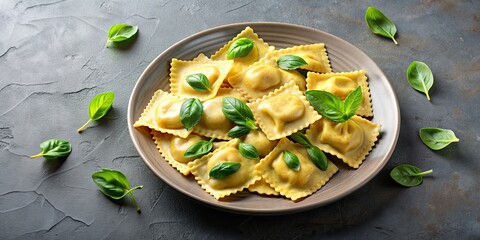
(230, 184)
(289, 183)
(163, 114)
(350, 141)
(283, 112)
(314, 54)
(341, 84)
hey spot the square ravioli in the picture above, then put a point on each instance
(163, 114)
(215, 71)
(260, 48)
(341, 84)
(350, 141)
(314, 54)
(237, 181)
(283, 112)
(289, 183)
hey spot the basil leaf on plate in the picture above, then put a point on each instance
(420, 77)
(248, 150)
(318, 157)
(238, 131)
(191, 113)
(300, 138)
(333, 107)
(291, 160)
(238, 112)
(408, 175)
(224, 169)
(240, 48)
(290, 62)
(380, 24)
(54, 148)
(198, 81)
(437, 138)
(199, 149)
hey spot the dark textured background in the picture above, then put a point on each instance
(53, 61)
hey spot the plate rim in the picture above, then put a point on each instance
(233, 209)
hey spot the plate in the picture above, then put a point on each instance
(343, 57)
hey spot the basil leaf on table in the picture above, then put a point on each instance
(121, 32)
(408, 175)
(199, 149)
(437, 138)
(238, 112)
(240, 48)
(224, 169)
(291, 160)
(54, 148)
(114, 184)
(248, 150)
(191, 113)
(420, 77)
(198, 81)
(238, 131)
(380, 24)
(290, 62)
(332, 107)
(318, 157)
(300, 138)
(99, 106)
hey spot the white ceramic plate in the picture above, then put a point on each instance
(343, 57)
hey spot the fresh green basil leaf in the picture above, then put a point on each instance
(291, 160)
(238, 131)
(352, 102)
(408, 175)
(326, 104)
(54, 148)
(437, 138)
(300, 138)
(240, 48)
(99, 106)
(224, 169)
(191, 113)
(420, 77)
(290, 62)
(380, 24)
(248, 150)
(114, 184)
(199, 149)
(237, 111)
(198, 81)
(121, 32)
(318, 157)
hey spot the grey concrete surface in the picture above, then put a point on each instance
(53, 61)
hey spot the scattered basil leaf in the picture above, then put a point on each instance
(248, 150)
(291, 160)
(191, 113)
(114, 184)
(290, 62)
(120, 32)
(420, 77)
(437, 138)
(318, 157)
(238, 112)
(199, 149)
(332, 107)
(224, 169)
(300, 138)
(99, 106)
(408, 175)
(380, 24)
(198, 81)
(238, 131)
(54, 148)
(240, 48)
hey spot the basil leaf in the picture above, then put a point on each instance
(191, 113)
(408, 175)
(326, 104)
(224, 169)
(291, 160)
(240, 48)
(120, 32)
(318, 157)
(248, 150)
(290, 62)
(238, 131)
(238, 112)
(198, 81)
(380, 24)
(99, 106)
(437, 138)
(199, 149)
(420, 77)
(54, 148)
(300, 138)
(114, 184)
(352, 102)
